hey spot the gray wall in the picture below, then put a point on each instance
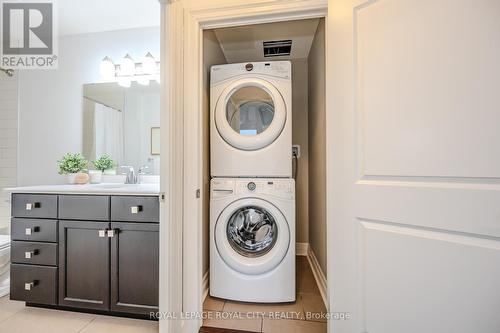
(317, 147)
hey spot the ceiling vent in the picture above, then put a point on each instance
(277, 48)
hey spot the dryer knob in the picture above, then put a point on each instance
(251, 186)
(249, 67)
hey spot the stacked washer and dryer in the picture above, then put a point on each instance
(252, 193)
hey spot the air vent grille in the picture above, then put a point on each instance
(277, 48)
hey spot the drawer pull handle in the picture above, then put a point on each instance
(135, 209)
(102, 233)
(28, 286)
(29, 231)
(32, 205)
(30, 254)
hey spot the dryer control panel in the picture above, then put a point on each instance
(278, 69)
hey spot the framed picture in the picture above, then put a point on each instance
(155, 141)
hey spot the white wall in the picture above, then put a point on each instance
(50, 116)
(8, 143)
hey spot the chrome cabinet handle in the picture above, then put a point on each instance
(113, 232)
(30, 231)
(32, 205)
(135, 209)
(30, 254)
(28, 286)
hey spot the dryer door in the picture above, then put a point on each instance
(250, 114)
(252, 236)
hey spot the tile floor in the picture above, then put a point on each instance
(15, 317)
(302, 316)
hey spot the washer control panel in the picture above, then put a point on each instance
(283, 188)
(279, 187)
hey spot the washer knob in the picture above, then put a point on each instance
(251, 186)
(249, 67)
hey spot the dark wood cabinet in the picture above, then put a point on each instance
(83, 258)
(134, 267)
(84, 264)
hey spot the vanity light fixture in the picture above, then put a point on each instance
(108, 70)
(128, 70)
(149, 64)
(127, 66)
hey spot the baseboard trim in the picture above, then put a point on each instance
(204, 286)
(301, 249)
(318, 274)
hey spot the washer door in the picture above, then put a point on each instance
(252, 236)
(250, 114)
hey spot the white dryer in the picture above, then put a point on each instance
(252, 239)
(251, 119)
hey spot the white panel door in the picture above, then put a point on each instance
(414, 165)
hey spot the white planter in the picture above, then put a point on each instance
(95, 176)
(71, 178)
(110, 172)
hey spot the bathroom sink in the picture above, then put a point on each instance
(112, 186)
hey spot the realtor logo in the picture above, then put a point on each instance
(28, 34)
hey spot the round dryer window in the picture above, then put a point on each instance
(252, 236)
(250, 114)
(250, 111)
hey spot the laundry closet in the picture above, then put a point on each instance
(275, 47)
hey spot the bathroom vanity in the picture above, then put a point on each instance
(92, 248)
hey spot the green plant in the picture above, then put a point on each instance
(72, 163)
(104, 163)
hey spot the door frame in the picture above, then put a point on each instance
(181, 121)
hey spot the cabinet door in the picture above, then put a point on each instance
(84, 264)
(134, 267)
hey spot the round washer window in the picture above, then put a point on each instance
(250, 110)
(252, 231)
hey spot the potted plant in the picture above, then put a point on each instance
(103, 164)
(73, 165)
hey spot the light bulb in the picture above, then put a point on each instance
(127, 66)
(107, 68)
(149, 64)
(124, 82)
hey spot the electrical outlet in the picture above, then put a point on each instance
(296, 150)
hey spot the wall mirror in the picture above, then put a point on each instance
(123, 122)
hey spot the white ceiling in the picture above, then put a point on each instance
(242, 44)
(86, 16)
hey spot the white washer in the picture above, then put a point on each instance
(251, 119)
(252, 239)
(4, 265)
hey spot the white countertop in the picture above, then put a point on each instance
(149, 189)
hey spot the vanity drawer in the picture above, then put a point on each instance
(84, 207)
(34, 230)
(34, 205)
(33, 284)
(135, 209)
(35, 253)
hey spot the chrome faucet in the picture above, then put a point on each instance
(131, 175)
